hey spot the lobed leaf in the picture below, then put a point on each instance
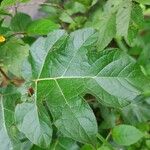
(64, 71)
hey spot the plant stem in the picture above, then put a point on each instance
(104, 141)
(108, 136)
(121, 45)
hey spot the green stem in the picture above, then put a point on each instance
(121, 44)
(104, 141)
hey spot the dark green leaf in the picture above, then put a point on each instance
(20, 22)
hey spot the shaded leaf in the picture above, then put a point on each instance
(20, 22)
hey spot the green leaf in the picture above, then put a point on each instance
(139, 112)
(104, 148)
(85, 2)
(107, 31)
(126, 135)
(4, 137)
(6, 3)
(41, 27)
(65, 143)
(14, 52)
(123, 18)
(87, 147)
(137, 16)
(10, 137)
(20, 22)
(145, 2)
(66, 18)
(35, 127)
(64, 71)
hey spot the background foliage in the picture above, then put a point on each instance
(77, 77)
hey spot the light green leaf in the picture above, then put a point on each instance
(107, 31)
(66, 18)
(20, 22)
(41, 27)
(87, 147)
(62, 64)
(123, 18)
(104, 148)
(6, 3)
(126, 135)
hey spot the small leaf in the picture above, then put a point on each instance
(41, 27)
(126, 135)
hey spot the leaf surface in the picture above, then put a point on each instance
(41, 27)
(64, 72)
(126, 135)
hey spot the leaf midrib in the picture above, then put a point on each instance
(80, 77)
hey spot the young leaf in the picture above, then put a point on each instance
(41, 27)
(126, 135)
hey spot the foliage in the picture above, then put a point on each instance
(76, 78)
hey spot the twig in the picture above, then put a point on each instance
(4, 74)
(108, 136)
